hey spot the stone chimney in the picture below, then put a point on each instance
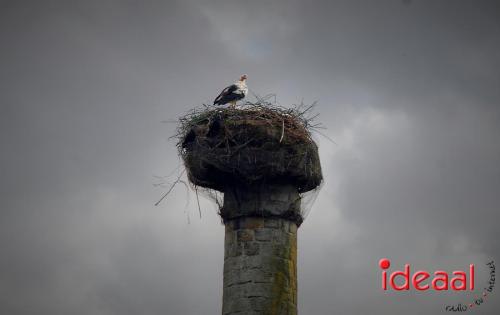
(262, 160)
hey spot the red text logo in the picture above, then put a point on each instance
(423, 280)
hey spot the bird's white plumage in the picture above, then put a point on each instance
(242, 87)
(233, 93)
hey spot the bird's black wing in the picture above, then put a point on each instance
(230, 89)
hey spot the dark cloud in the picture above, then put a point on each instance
(408, 90)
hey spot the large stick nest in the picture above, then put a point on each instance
(258, 144)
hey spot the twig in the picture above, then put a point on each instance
(171, 187)
(282, 131)
(197, 199)
(326, 137)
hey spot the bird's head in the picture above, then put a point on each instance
(243, 77)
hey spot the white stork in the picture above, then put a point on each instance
(233, 93)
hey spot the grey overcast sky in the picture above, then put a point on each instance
(409, 90)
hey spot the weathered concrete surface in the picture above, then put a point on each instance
(262, 201)
(260, 266)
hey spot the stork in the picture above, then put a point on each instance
(233, 93)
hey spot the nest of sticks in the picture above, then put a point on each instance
(260, 143)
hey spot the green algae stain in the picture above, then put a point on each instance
(284, 288)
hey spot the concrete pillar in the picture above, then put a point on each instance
(260, 266)
(262, 158)
(260, 250)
